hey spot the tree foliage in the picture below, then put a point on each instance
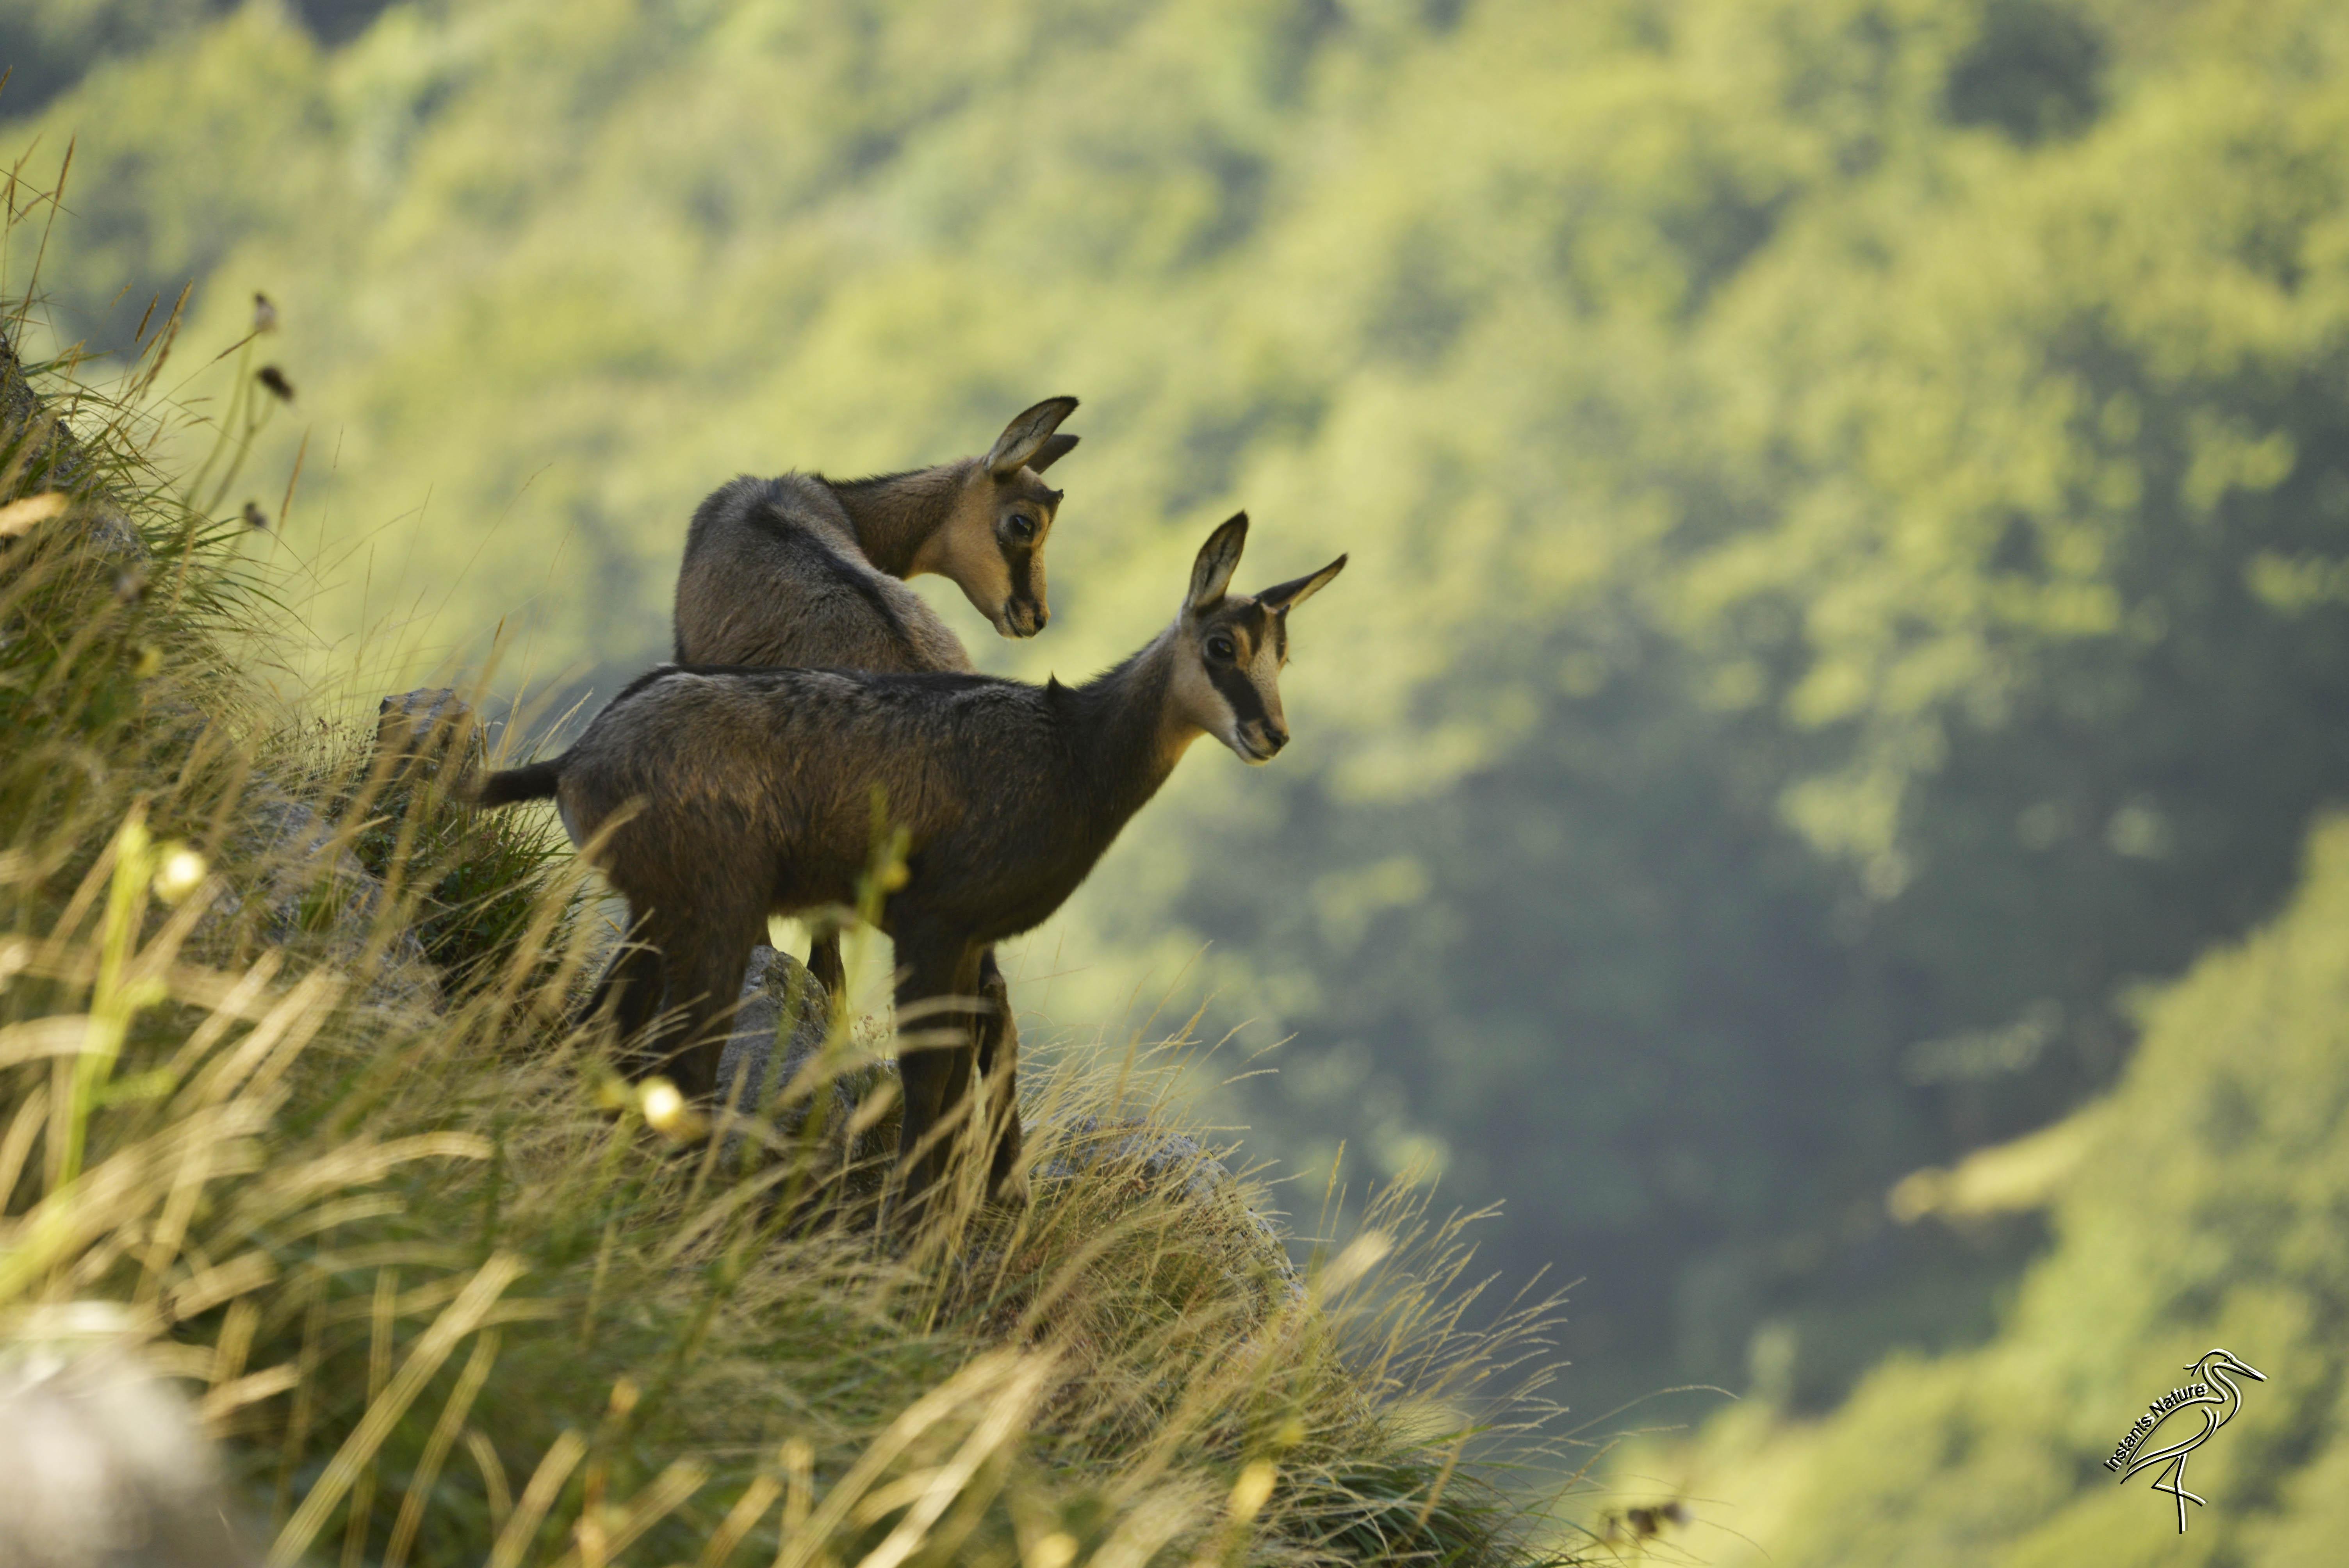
(2203, 1209)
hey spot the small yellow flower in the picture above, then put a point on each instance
(668, 1113)
(1057, 1550)
(1254, 1488)
(179, 871)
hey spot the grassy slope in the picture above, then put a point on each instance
(413, 1250)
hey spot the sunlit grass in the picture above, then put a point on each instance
(288, 1079)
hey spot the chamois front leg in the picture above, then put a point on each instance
(999, 1070)
(939, 971)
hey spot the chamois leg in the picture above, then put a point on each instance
(631, 991)
(706, 971)
(681, 986)
(999, 1070)
(824, 964)
(939, 973)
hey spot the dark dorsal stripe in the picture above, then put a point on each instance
(658, 672)
(804, 544)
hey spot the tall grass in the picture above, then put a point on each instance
(288, 1076)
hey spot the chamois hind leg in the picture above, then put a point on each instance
(999, 1071)
(707, 957)
(824, 964)
(631, 993)
(938, 972)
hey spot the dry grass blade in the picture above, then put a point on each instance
(461, 1317)
(545, 1484)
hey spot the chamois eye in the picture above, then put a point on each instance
(1020, 527)
(1220, 649)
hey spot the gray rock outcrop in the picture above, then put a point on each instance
(101, 1464)
(780, 1029)
(431, 733)
(38, 452)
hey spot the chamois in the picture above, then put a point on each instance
(805, 571)
(750, 794)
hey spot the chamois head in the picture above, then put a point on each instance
(1230, 649)
(992, 543)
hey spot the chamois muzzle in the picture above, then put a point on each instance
(1263, 740)
(1024, 617)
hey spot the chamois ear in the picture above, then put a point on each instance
(1026, 433)
(1211, 574)
(1286, 597)
(1054, 449)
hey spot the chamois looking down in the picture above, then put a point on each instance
(751, 793)
(805, 571)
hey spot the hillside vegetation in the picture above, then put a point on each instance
(2200, 1203)
(1847, 499)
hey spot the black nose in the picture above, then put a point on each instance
(1276, 735)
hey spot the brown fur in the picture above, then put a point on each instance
(806, 571)
(750, 792)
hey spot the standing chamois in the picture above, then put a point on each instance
(805, 571)
(751, 793)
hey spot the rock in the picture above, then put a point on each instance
(53, 459)
(778, 990)
(1157, 1158)
(430, 734)
(312, 887)
(101, 1465)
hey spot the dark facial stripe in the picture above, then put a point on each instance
(1022, 566)
(1247, 704)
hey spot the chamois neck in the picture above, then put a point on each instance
(895, 514)
(1128, 733)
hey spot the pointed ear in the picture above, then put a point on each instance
(1211, 574)
(1054, 449)
(1289, 595)
(1029, 430)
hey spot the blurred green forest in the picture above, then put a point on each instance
(1849, 505)
(2198, 1205)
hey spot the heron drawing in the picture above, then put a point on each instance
(2216, 1408)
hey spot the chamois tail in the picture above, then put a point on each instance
(534, 782)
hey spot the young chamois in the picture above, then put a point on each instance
(805, 571)
(751, 793)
